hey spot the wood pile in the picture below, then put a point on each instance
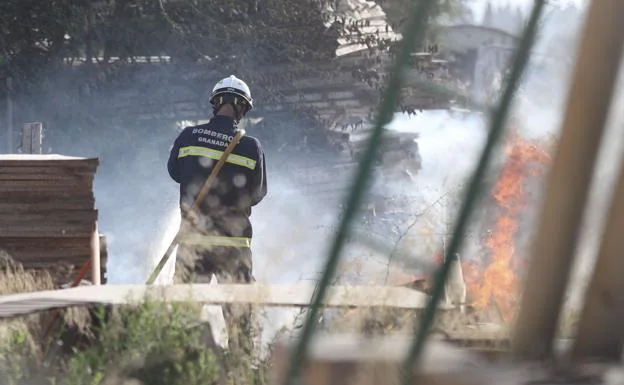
(47, 212)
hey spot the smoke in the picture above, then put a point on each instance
(449, 144)
(136, 201)
(293, 230)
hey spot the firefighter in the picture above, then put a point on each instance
(217, 240)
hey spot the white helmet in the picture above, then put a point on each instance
(231, 90)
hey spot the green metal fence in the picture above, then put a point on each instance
(413, 37)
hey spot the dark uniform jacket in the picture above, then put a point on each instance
(241, 183)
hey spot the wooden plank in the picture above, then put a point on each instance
(47, 173)
(568, 184)
(51, 222)
(45, 242)
(47, 255)
(40, 207)
(51, 216)
(76, 262)
(29, 170)
(266, 295)
(42, 230)
(37, 198)
(33, 196)
(42, 157)
(603, 313)
(53, 219)
(40, 170)
(32, 138)
(75, 166)
(77, 259)
(42, 193)
(59, 224)
(28, 245)
(50, 185)
(336, 359)
(50, 160)
(46, 178)
(96, 269)
(43, 164)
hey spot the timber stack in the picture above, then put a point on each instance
(48, 219)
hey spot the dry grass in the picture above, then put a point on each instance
(19, 350)
(15, 280)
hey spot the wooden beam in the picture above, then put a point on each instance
(600, 331)
(48, 160)
(32, 138)
(266, 295)
(558, 227)
(96, 270)
(337, 359)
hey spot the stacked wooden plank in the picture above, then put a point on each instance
(47, 212)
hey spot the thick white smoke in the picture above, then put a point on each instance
(291, 232)
(449, 144)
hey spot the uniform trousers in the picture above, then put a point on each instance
(229, 265)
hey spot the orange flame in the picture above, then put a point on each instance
(498, 284)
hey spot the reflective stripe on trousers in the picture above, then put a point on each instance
(212, 240)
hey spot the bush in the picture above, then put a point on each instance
(152, 343)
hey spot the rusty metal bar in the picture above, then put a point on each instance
(600, 330)
(553, 250)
